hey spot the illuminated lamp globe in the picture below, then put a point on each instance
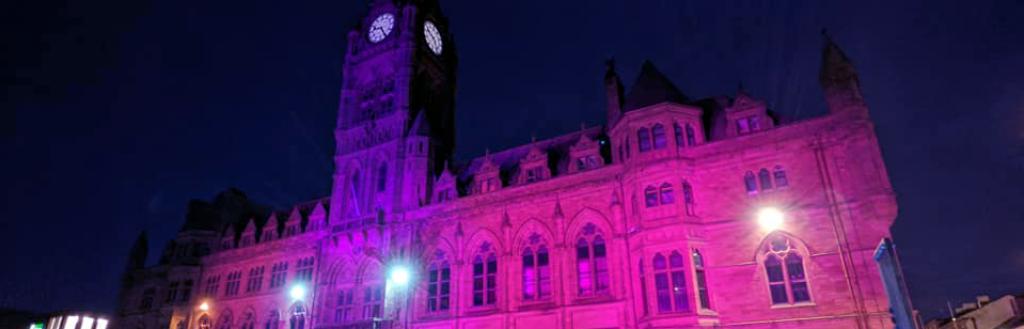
(770, 219)
(298, 292)
(204, 306)
(400, 275)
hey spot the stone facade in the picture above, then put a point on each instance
(649, 221)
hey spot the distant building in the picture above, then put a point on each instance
(676, 213)
(1003, 313)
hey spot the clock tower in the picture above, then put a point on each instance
(395, 128)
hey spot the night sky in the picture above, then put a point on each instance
(117, 113)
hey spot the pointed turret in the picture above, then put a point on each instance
(613, 91)
(139, 252)
(652, 87)
(839, 80)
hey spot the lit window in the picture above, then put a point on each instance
(591, 263)
(298, 317)
(204, 322)
(644, 137)
(765, 179)
(750, 182)
(658, 131)
(248, 321)
(688, 198)
(650, 197)
(536, 273)
(787, 281)
(670, 283)
(780, 177)
(439, 279)
(272, 320)
(667, 197)
(702, 283)
(485, 269)
(680, 142)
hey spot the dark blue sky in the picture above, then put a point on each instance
(116, 113)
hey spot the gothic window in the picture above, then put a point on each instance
(742, 126)
(650, 197)
(234, 282)
(485, 269)
(354, 184)
(670, 283)
(643, 289)
(225, 321)
(228, 242)
(255, 280)
(272, 320)
(691, 136)
(591, 262)
(780, 177)
(382, 174)
(534, 174)
(304, 269)
(373, 299)
(268, 233)
(702, 282)
(297, 320)
(204, 322)
(644, 137)
(212, 285)
(278, 273)
(343, 308)
(172, 292)
(247, 240)
(750, 182)
(765, 178)
(658, 131)
(680, 142)
(186, 291)
(667, 197)
(147, 299)
(248, 321)
(536, 270)
(688, 198)
(439, 278)
(784, 267)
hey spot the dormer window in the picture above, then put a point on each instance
(587, 162)
(488, 184)
(268, 235)
(446, 194)
(247, 240)
(291, 230)
(534, 174)
(748, 125)
(227, 243)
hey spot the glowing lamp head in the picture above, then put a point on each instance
(400, 275)
(298, 292)
(770, 219)
(204, 306)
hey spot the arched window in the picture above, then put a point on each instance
(644, 137)
(439, 276)
(204, 322)
(382, 177)
(702, 282)
(343, 307)
(643, 289)
(765, 179)
(248, 320)
(688, 198)
(272, 320)
(225, 321)
(691, 136)
(680, 142)
(373, 301)
(780, 177)
(670, 283)
(485, 270)
(787, 281)
(297, 320)
(750, 182)
(354, 184)
(536, 273)
(650, 196)
(659, 136)
(591, 263)
(667, 197)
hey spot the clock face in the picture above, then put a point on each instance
(433, 37)
(381, 27)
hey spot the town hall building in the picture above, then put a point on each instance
(678, 212)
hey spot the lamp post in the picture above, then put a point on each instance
(400, 277)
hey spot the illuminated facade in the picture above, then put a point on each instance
(677, 213)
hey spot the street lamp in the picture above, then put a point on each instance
(400, 275)
(298, 292)
(770, 219)
(205, 306)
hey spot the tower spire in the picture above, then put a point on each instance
(613, 90)
(839, 80)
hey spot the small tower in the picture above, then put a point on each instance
(613, 89)
(839, 80)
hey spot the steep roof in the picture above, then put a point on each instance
(557, 149)
(652, 87)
